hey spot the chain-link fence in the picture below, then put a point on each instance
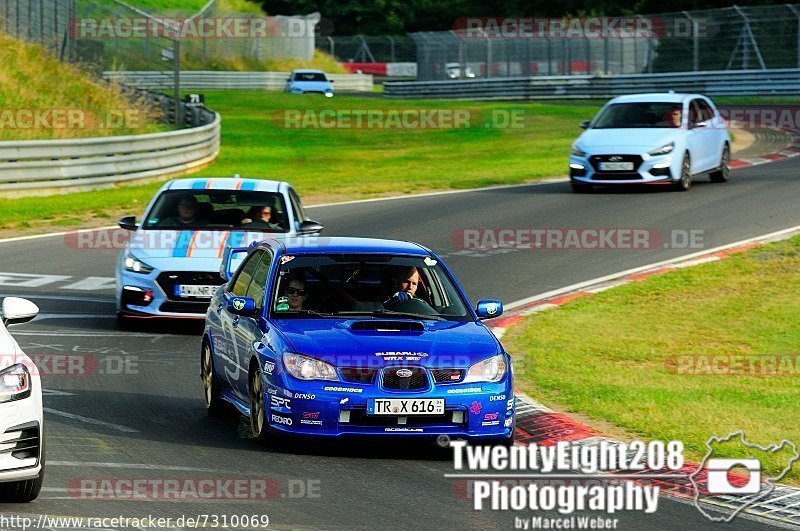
(731, 38)
(370, 49)
(46, 22)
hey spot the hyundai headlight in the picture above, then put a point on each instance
(489, 370)
(663, 150)
(577, 151)
(305, 368)
(135, 265)
(15, 383)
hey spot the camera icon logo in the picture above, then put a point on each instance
(719, 482)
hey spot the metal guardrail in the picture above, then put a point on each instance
(38, 167)
(779, 82)
(211, 80)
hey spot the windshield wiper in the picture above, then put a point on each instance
(307, 312)
(380, 313)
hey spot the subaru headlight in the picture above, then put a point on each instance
(577, 151)
(15, 383)
(663, 150)
(135, 265)
(489, 370)
(305, 368)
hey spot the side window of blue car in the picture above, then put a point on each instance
(245, 274)
(258, 284)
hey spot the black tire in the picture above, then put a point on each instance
(580, 188)
(212, 393)
(259, 427)
(685, 182)
(722, 174)
(24, 491)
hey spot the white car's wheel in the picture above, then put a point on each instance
(685, 181)
(721, 174)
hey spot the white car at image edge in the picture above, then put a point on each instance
(654, 139)
(21, 414)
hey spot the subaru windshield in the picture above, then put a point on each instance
(366, 285)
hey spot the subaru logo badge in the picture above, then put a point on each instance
(404, 373)
(491, 308)
(238, 304)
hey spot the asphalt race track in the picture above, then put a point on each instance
(137, 410)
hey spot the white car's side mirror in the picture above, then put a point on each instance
(16, 310)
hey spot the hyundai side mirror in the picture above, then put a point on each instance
(585, 124)
(310, 227)
(128, 223)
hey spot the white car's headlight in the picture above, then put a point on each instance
(489, 370)
(135, 265)
(577, 151)
(305, 368)
(15, 383)
(663, 150)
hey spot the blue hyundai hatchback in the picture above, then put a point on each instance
(309, 82)
(351, 336)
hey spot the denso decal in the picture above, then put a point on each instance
(277, 419)
(279, 401)
(343, 389)
(269, 367)
(466, 390)
(497, 397)
(305, 396)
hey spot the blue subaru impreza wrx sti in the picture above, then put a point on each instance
(352, 336)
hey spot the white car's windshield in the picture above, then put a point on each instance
(366, 285)
(640, 115)
(219, 209)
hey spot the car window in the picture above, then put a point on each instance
(365, 286)
(638, 115)
(245, 274)
(258, 283)
(706, 112)
(695, 114)
(297, 207)
(217, 210)
(310, 76)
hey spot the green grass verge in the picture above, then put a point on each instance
(339, 164)
(27, 88)
(630, 356)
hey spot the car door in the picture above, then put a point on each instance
(720, 132)
(248, 330)
(232, 369)
(701, 136)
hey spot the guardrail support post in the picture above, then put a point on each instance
(797, 16)
(488, 57)
(695, 41)
(176, 50)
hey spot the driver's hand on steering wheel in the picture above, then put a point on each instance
(400, 296)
